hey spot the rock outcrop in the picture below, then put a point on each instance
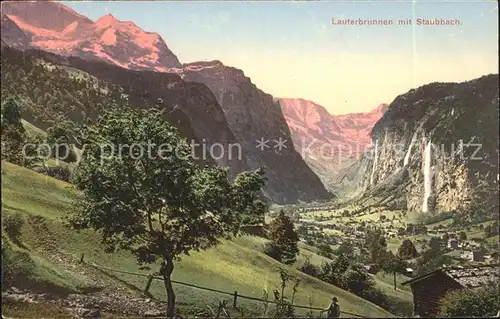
(329, 143)
(255, 116)
(13, 36)
(437, 148)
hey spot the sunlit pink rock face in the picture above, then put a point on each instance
(250, 113)
(328, 142)
(56, 28)
(12, 35)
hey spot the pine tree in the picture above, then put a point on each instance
(407, 250)
(284, 239)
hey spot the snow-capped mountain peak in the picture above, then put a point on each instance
(106, 21)
(119, 42)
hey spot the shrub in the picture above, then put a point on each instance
(310, 269)
(12, 224)
(481, 302)
(272, 251)
(17, 266)
(59, 172)
(284, 307)
(325, 250)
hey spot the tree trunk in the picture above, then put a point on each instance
(394, 280)
(168, 268)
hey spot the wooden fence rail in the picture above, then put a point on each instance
(234, 294)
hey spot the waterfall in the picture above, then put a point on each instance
(374, 162)
(427, 176)
(408, 152)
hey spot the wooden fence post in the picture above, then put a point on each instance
(148, 284)
(81, 258)
(235, 298)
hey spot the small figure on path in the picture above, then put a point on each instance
(333, 310)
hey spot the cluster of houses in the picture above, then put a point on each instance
(470, 250)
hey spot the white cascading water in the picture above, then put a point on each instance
(408, 152)
(374, 162)
(427, 176)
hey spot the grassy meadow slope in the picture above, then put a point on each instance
(233, 265)
(401, 298)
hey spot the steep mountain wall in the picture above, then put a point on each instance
(437, 148)
(329, 143)
(253, 115)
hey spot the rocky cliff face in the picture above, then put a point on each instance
(436, 148)
(254, 116)
(56, 28)
(329, 143)
(250, 113)
(12, 35)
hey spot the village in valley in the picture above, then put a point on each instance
(448, 255)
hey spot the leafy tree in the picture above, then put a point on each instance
(18, 146)
(157, 208)
(429, 262)
(325, 250)
(310, 269)
(376, 243)
(491, 229)
(435, 244)
(13, 133)
(11, 114)
(333, 271)
(407, 250)
(392, 264)
(302, 230)
(356, 280)
(61, 136)
(284, 239)
(467, 303)
(432, 258)
(462, 236)
(345, 249)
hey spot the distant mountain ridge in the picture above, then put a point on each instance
(250, 113)
(69, 33)
(328, 143)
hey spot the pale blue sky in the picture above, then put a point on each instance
(291, 49)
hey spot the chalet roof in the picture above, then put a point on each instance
(467, 277)
(474, 276)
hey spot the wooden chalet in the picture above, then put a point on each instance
(429, 289)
